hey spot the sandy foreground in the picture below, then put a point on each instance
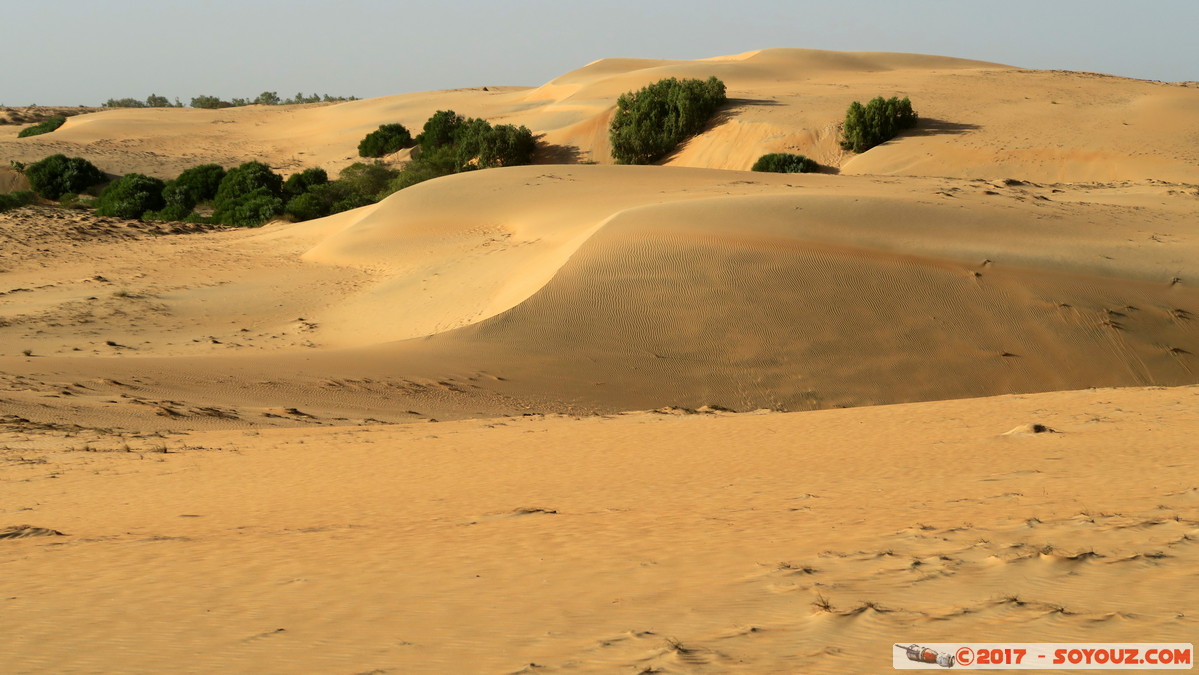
(642, 542)
(399, 439)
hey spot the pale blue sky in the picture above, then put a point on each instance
(82, 52)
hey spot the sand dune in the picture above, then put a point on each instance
(634, 287)
(980, 120)
(221, 447)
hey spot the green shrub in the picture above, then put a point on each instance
(877, 122)
(130, 196)
(299, 183)
(439, 130)
(152, 101)
(57, 175)
(325, 200)
(250, 194)
(368, 181)
(785, 162)
(43, 127)
(388, 138)
(205, 101)
(13, 200)
(124, 103)
(171, 212)
(650, 123)
(307, 206)
(415, 172)
(251, 209)
(478, 145)
(195, 185)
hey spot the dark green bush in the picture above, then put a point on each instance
(152, 101)
(57, 175)
(368, 181)
(388, 138)
(193, 186)
(325, 200)
(172, 212)
(130, 196)
(439, 130)
(301, 98)
(877, 122)
(479, 145)
(124, 103)
(205, 101)
(13, 200)
(308, 206)
(299, 183)
(43, 127)
(785, 162)
(251, 209)
(249, 195)
(650, 123)
(415, 172)
(199, 183)
(450, 143)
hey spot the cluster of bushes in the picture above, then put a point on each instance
(785, 162)
(448, 143)
(252, 193)
(205, 101)
(451, 143)
(310, 194)
(265, 98)
(245, 196)
(43, 127)
(877, 122)
(152, 101)
(651, 123)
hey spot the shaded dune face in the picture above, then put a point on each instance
(777, 291)
(747, 315)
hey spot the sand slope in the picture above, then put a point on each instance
(608, 288)
(806, 542)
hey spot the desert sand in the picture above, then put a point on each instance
(580, 417)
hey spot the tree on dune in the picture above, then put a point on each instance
(877, 122)
(388, 138)
(650, 123)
